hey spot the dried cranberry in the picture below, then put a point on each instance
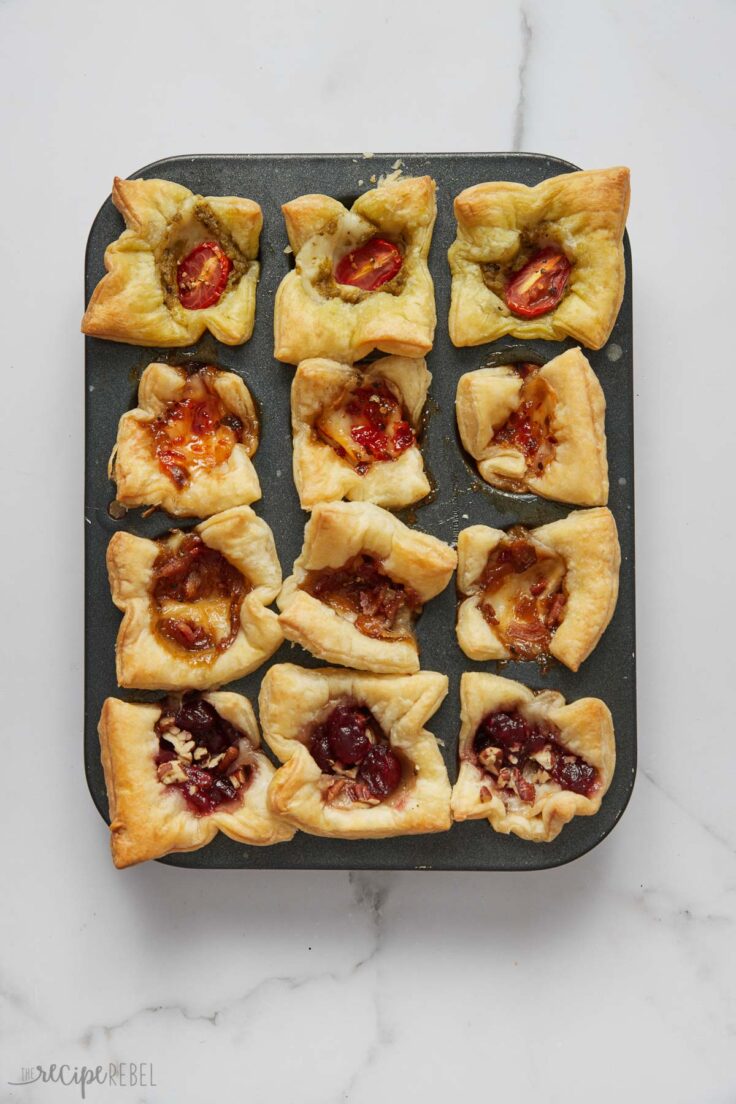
(319, 747)
(204, 723)
(380, 770)
(348, 736)
(575, 775)
(500, 730)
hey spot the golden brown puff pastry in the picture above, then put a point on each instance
(359, 582)
(538, 429)
(529, 593)
(501, 226)
(317, 316)
(172, 789)
(529, 762)
(138, 300)
(187, 446)
(340, 449)
(393, 782)
(194, 603)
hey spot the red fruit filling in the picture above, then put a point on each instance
(351, 744)
(370, 424)
(520, 756)
(203, 756)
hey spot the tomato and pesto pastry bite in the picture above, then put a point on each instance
(355, 431)
(360, 280)
(538, 429)
(358, 586)
(358, 762)
(529, 763)
(195, 603)
(179, 771)
(530, 594)
(187, 446)
(544, 262)
(184, 264)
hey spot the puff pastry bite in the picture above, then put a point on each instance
(361, 280)
(184, 264)
(359, 583)
(529, 762)
(538, 429)
(358, 762)
(355, 431)
(544, 262)
(179, 771)
(194, 603)
(187, 446)
(532, 593)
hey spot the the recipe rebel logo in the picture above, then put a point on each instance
(121, 1075)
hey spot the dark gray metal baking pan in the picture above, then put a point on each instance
(460, 499)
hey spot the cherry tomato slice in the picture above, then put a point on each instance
(202, 276)
(537, 288)
(370, 265)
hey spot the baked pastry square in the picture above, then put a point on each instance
(184, 264)
(538, 429)
(187, 446)
(358, 762)
(544, 262)
(180, 771)
(529, 762)
(361, 280)
(355, 431)
(359, 583)
(194, 603)
(532, 593)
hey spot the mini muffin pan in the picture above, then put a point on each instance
(459, 499)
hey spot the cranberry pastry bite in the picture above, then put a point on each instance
(187, 446)
(544, 262)
(194, 603)
(359, 584)
(528, 594)
(181, 770)
(184, 264)
(355, 431)
(358, 762)
(529, 762)
(538, 429)
(361, 280)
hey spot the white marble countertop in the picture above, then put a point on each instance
(611, 979)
